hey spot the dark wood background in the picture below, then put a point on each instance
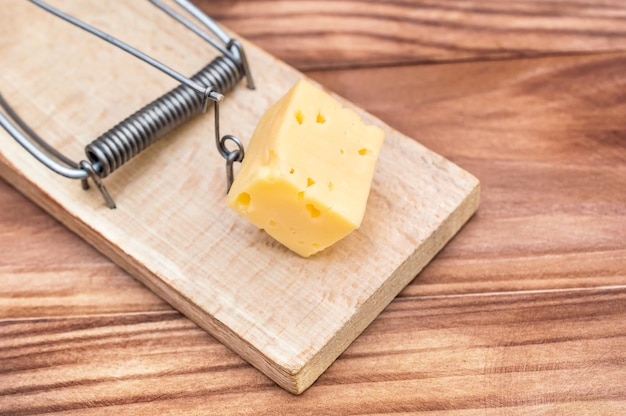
(524, 312)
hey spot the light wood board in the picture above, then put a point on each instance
(290, 317)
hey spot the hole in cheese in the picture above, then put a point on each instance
(331, 186)
(270, 156)
(363, 151)
(299, 117)
(271, 223)
(341, 151)
(309, 182)
(243, 199)
(313, 212)
(320, 118)
(301, 195)
(291, 171)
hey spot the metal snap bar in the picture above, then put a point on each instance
(132, 135)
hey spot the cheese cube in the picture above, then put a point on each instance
(307, 172)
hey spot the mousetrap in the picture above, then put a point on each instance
(78, 108)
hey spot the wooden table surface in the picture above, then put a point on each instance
(524, 312)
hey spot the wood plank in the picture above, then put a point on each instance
(290, 317)
(551, 352)
(357, 33)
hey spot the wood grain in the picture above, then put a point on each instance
(355, 33)
(548, 353)
(523, 313)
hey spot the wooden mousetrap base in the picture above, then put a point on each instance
(289, 317)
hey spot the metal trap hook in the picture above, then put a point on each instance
(128, 138)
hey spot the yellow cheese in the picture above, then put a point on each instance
(307, 172)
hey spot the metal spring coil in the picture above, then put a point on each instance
(138, 131)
